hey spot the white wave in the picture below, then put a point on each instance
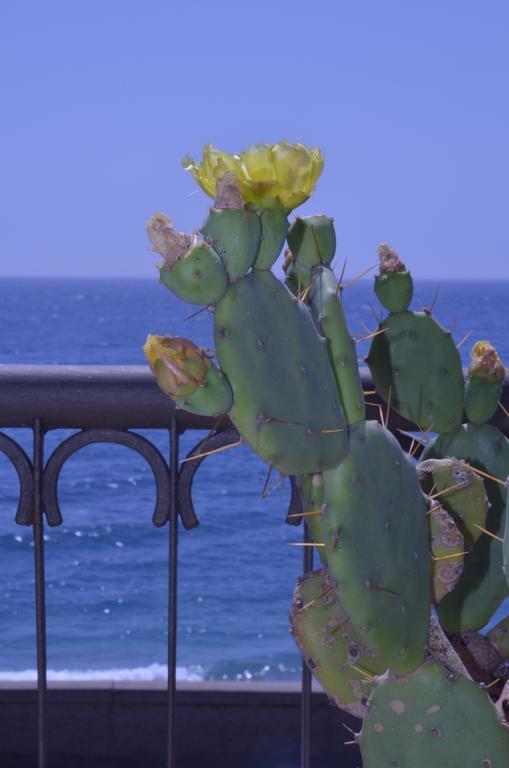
(152, 672)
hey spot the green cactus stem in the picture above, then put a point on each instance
(327, 310)
(485, 382)
(190, 268)
(394, 285)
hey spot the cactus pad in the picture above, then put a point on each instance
(482, 585)
(447, 549)
(273, 235)
(429, 720)
(334, 651)
(328, 312)
(377, 545)
(416, 363)
(462, 494)
(234, 234)
(286, 404)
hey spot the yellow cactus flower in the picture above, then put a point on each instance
(268, 175)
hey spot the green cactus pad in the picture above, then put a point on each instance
(394, 290)
(482, 585)
(199, 277)
(334, 651)
(212, 398)
(377, 545)
(285, 402)
(466, 501)
(499, 637)
(234, 233)
(327, 310)
(311, 494)
(312, 242)
(447, 549)
(429, 721)
(416, 361)
(273, 235)
(481, 399)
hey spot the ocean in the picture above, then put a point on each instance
(106, 565)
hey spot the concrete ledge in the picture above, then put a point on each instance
(218, 724)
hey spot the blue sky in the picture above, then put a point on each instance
(409, 102)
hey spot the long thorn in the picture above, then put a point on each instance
(364, 672)
(385, 591)
(413, 447)
(371, 336)
(340, 281)
(482, 473)
(489, 533)
(435, 299)
(370, 391)
(195, 314)
(314, 513)
(409, 434)
(387, 412)
(350, 743)
(493, 682)
(464, 339)
(266, 483)
(348, 728)
(305, 544)
(209, 453)
(447, 557)
(504, 410)
(359, 277)
(317, 598)
(303, 296)
(447, 490)
(328, 431)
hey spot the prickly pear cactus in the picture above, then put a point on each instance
(393, 537)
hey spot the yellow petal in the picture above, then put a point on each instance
(257, 163)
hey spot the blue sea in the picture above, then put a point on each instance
(106, 566)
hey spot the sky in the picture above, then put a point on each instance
(101, 99)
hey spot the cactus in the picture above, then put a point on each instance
(393, 536)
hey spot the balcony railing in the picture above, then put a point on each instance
(105, 403)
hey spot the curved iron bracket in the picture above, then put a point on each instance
(119, 437)
(23, 467)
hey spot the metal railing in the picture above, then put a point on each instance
(105, 403)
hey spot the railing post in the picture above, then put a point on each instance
(172, 589)
(305, 702)
(40, 596)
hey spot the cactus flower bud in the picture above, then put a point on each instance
(486, 364)
(179, 366)
(484, 384)
(268, 175)
(394, 285)
(188, 376)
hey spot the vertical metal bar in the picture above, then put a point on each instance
(172, 590)
(40, 597)
(305, 700)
